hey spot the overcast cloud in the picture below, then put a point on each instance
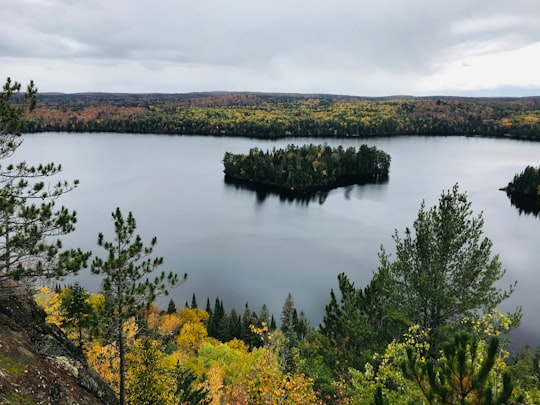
(356, 47)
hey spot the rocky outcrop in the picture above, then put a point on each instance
(38, 363)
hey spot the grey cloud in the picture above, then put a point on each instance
(259, 38)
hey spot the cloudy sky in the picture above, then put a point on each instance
(355, 47)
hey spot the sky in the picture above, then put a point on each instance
(349, 47)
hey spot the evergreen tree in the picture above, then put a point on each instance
(124, 285)
(351, 338)
(462, 377)
(29, 222)
(193, 302)
(249, 319)
(289, 323)
(186, 391)
(208, 307)
(444, 270)
(273, 325)
(264, 315)
(235, 325)
(76, 310)
(171, 308)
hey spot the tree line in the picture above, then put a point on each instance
(308, 167)
(425, 330)
(276, 116)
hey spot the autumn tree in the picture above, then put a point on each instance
(145, 383)
(30, 224)
(125, 284)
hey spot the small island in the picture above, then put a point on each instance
(524, 190)
(307, 168)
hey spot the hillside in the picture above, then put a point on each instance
(275, 115)
(38, 364)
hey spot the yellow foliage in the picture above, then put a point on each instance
(193, 315)
(105, 360)
(244, 377)
(191, 337)
(50, 302)
(531, 119)
(506, 123)
(146, 381)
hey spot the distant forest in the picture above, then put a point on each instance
(266, 115)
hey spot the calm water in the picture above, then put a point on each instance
(246, 248)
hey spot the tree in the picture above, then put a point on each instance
(76, 310)
(128, 263)
(443, 269)
(145, 384)
(29, 223)
(462, 375)
(186, 390)
(289, 322)
(470, 369)
(171, 307)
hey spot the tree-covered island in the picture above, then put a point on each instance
(524, 190)
(525, 183)
(307, 168)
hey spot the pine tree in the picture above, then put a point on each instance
(443, 270)
(462, 376)
(29, 222)
(289, 323)
(124, 285)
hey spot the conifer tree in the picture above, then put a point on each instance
(289, 323)
(76, 310)
(186, 391)
(125, 284)
(235, 325)
(171, 307)
(29, 222)
(462, 375)
(443, 269)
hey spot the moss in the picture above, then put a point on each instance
(13, 398)
(9, 365)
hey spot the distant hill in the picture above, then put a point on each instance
(276, 115)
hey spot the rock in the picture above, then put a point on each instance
(38, 363)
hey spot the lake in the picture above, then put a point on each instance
(247, 247)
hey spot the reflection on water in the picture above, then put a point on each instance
(305, 198)
(526, 204)
(257, 252)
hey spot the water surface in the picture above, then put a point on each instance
(245, 247)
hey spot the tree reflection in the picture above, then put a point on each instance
(262, 192)
(526, 204)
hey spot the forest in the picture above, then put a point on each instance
(524, 190)
(307, 168)
(267, 115)
(424, 330)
